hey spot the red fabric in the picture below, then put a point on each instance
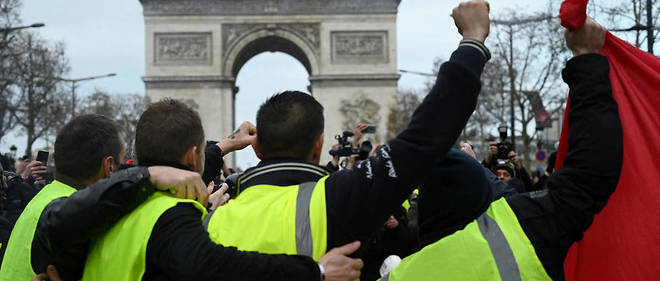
(573, 13)
(624, 241)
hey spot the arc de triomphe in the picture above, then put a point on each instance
(195, 49)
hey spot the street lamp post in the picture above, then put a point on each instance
(10, 29)
(5, 33)
(417, 73)
(73, 87)
(510, 24)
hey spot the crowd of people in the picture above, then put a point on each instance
(413, 208)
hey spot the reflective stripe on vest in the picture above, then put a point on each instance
(499, 246)
(274, 220)
(304, 240)
(492, 247)
(17, 263)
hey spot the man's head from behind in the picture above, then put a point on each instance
(290, 125)
(170, 132)
(87, 149)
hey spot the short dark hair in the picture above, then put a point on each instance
(83, 143)
(165, 131)
(287, 125)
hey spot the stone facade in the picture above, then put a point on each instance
(195, 49)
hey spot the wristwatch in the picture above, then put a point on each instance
(322, 270)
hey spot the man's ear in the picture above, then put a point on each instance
(255, 146)
(319, 141)
(318, 148)
(107, 166)
(190, 158)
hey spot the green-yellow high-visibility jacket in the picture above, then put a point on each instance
(17, 263)
(274, 220)
(120, 253)
(493, 247)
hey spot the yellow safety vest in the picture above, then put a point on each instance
(493, 247)
(17, 263)
(274, 220)
(120, 253)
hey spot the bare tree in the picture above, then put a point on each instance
(401, 112)
(38, 103)
(100, 103)
(531, 50)
(8, 17)
(624, 14)
(129, 108)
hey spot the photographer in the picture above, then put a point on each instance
(501, 152)
(520, 171)
(354, 152)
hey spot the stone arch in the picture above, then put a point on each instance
(270, 39)
(195, 48)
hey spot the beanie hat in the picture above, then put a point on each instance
(506, 165)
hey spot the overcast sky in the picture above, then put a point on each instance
(108, 36)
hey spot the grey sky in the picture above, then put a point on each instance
(108, 36)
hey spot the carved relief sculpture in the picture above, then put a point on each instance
(308, 32)
(182, 48)
(360, 110)
(359, 47)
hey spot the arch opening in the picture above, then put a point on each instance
(260, 77)
(270, 44)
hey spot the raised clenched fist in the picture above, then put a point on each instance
(472, 19)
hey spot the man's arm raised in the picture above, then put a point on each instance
(360, 200)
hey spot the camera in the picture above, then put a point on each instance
(346, 149)
(504, 146)
(232, 183)
(503, 149)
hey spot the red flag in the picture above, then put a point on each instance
(573, 13)
(624, 241)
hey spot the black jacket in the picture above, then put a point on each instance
(555, 218)
(358, 201)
